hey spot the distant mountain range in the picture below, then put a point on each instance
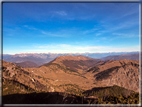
(42, 58)
(118, 57)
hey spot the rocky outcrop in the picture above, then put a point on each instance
(126, 75)
(16, 73)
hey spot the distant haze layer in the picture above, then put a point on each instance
(43, 58)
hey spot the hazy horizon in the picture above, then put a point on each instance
(73, 53)
(70, 27)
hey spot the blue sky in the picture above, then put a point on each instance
(70, 27)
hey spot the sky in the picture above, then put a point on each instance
(70, 27)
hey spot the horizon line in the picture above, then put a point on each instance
(67, 52)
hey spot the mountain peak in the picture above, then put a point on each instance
(71, 57)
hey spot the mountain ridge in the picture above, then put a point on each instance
(43, 58)
(124, 56)
(74, 75)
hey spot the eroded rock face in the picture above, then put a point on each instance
(10, 71)
(126, 76)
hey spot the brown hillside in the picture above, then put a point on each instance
(16, 73)
(124, 73)
(64, 75)
(75, 63)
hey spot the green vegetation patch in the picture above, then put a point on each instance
(108, 91)
(66, 98)
(133, 98)
(72, 88)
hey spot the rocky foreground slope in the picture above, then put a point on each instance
(14, 73)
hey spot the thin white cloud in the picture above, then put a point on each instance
(90, 30)
(55, 34)
(64, 32)
(62, 13)
(65, 48)
(127, 14)
(57, 13)
(106, 28)
(130, 13)
(29, 27)
(120, 26)
(122, 35)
